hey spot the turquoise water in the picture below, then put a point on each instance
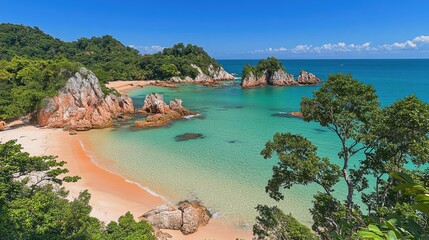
(224, 169)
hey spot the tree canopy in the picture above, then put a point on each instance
(107, 57)
(24, 83)
(33, 205)
(265, 66)
(392, 139)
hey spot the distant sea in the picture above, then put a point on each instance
(225, 169)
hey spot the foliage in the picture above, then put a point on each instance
(177, 61)
(387, 139)
(265, 67)
(38, 208)
(24, 83)
(128, 229)
(272, 223)
(107, 57)
(399, 227)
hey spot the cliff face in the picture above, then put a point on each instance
(279, 78)
(215, 75)
(253, 81)
(81, 105)
(306, 78)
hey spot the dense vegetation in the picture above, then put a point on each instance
(383, 141)
(266, 66)
(177, 61)
(25, 83)
(107, 57)
(38, 208)
(34, 65)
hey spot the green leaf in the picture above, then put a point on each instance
(369, 235)
(375, 229)
(391, 235)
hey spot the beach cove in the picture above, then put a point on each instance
(224, 169)
(136, 170)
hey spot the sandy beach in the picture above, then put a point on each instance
(112, 195)
(125, 87)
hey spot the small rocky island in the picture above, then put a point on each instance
(161, 113)
(271, 72)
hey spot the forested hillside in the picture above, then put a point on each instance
(107, 57)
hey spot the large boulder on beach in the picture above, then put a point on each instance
(166, 220)
(188, 217)
(162, 114)
(194, 216)
(2, 125)
(82, 105)
(306, 78)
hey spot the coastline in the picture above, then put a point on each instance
(124, 87)
(111, 195)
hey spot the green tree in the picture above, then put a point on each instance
(128, 229)
(388, 139)
(272, 223)
(33, 205)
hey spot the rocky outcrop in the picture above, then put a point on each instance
(81, 105)
(187, 218)
(2, 125)
(278, 78)
(281, 78)
(214, 75)
(254, 81)
(163, 114)
(194, 215)
(306, 78)
(296, 114)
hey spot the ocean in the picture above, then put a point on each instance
(224, 169)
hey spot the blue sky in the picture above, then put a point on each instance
(241, 29)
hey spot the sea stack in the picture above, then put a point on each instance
(82, 105)
(271, 72)
(161, 113)
(306, 78)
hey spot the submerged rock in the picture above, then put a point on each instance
(188, 136)
(288, 114)
(296, 114)
(163, 114)
(81, 105)
(187, 218)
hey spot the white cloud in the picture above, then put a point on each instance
(421, 39)
(418, 42)
(148, 49)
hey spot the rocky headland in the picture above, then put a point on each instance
(213, 75)
(82, 105)
(161, 113)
